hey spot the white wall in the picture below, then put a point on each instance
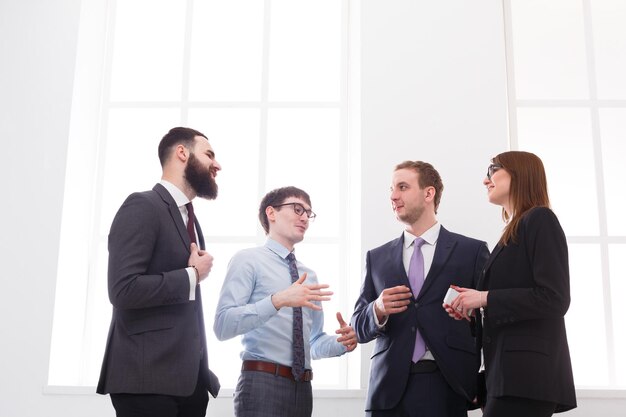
(433, 88)
(37, 46)
(433, 79)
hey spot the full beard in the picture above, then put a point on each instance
(200, 179)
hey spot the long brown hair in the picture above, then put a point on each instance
(529, 188)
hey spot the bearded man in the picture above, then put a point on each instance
(155, 361)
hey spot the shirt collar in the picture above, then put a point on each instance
(277, 248)
(179, 197)
(430, 236)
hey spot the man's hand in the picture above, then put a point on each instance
(202, 260)
(301, 295)
(392, 301)
(348, 336)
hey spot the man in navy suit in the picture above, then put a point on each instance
(155, 363)
(423, 363)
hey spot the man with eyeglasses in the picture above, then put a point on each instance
(274, 301)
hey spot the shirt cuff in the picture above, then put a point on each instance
(380, 325)
(265, 308)
(191, 272)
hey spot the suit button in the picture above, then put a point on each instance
(413, 329)
(487, 339)
(415, 305)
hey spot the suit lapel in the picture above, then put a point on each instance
(395, 267)
(445, 247)
(493, 256)
(175, 215)
(482, 284)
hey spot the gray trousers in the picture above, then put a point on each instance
(260, 394)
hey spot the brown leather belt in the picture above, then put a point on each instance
(274, 368)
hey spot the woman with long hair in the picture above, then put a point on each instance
(522, 297)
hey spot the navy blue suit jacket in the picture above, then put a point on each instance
(457, 260)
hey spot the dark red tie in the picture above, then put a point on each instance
(297, 367)
(190, 222)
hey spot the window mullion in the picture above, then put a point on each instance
(510, 71)
(96, 197)
(186, 73)
(601, 196)
(263, 108)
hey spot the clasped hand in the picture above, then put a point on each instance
(392, 300)
(301, 295)
(202, 260)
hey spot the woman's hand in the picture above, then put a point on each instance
(464, 305)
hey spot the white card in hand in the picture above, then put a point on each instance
(450, 296)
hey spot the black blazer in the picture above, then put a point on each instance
(523, 335)
(457, 260)
(157, 340)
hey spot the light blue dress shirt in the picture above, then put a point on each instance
(245, 308)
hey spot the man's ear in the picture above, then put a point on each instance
(430, 194)
(270, 212)
(181, 152)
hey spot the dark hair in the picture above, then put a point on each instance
(178, 135)
(528, 189)
(276, 197)
(427, 177)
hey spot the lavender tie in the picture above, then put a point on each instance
(416, 279)
(297, 367)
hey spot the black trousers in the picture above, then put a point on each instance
(517, 407)
(154, 405)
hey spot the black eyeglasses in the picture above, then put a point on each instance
(299, 210)
(492, 169)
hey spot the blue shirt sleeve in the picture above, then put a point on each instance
(323, 345)
(235, 314)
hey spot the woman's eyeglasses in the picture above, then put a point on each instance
(492, 169)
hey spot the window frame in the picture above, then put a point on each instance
(603, 239)
(90, 116)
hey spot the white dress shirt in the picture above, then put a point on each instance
(181, 200)
(430, 237)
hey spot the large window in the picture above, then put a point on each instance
(567, 102)
(267, 82)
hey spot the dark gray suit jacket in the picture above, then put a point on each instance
(458, 260)
(157, 340)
